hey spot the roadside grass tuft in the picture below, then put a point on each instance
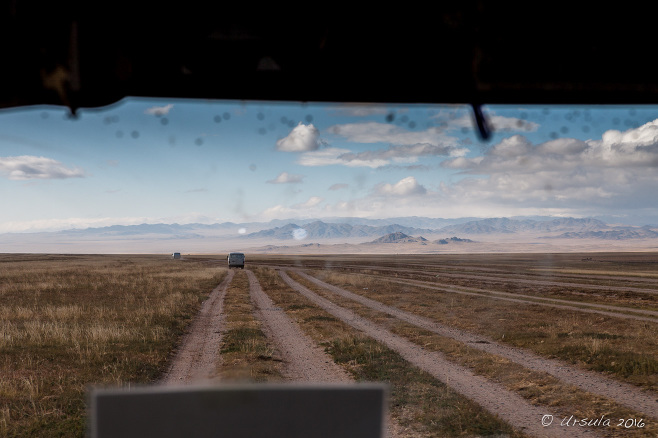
(246, 354)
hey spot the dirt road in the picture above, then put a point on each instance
(615, 311)
(197, 357)
(491, 396)
(625, 394)
(304, 360)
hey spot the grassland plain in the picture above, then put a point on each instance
(539, 388)
(614, 347)
(67, 322)
(622, 347)
(70, 321)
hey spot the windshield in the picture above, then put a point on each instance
(489, 285)
(257, 165)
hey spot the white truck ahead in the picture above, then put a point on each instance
(235, 260)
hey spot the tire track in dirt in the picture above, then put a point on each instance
(540, 301)
(198, 354)
(304, 360)
(622, 393)
(539, 282)
(524, 279)
(491, 396)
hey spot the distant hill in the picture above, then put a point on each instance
(624, 233)
(398, 237)
(506, 225)
(452, 240)
(323, 230)
(131, 230)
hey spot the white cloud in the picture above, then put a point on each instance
(27, 167)
(409, 153)
(309, 208)
(405, 187)
(287, 178)
(567, 177)
(404, 146)
(159, 110)
(311, 202)
(301, 139)
(337, 156)
(338, 186)
(373, 132)
(376, 158)
(275, 212)
(617, 171)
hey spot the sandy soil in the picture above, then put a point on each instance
(197, 357)
(625, 394)
(304, 360)
(491, 396)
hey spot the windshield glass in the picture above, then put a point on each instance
(485, 285)
(257, 165)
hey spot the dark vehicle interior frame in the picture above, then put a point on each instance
(89, 55)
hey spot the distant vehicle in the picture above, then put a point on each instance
(175, 255)
(236, 260)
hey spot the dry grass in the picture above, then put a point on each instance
(422, 405)
(246, 353)
(538, 388)
(67, 322)
(626, 349)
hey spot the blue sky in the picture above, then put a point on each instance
(155, 160)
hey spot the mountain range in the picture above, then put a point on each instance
(323, 230)
(399, 237)
(506, 226)
(363, 229)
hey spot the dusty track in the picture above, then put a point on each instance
(625, 394)
(196, 359)
(522, 279)
(304, 360)
(579, 306)
(614, 311)
(562, 282)
(491, 396)
(625, 283)
(540, 282)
